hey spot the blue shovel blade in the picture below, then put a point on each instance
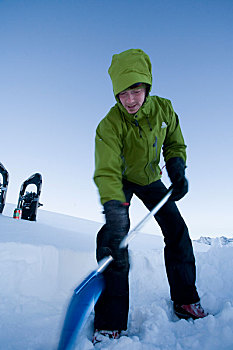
(82, 302)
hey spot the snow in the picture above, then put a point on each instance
(42, 262)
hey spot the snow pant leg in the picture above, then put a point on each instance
(178, 252)
(111, 309)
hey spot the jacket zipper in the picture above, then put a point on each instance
(155, 144)
(156, 151)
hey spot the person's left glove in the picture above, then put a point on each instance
(176, 171)
(117, 227)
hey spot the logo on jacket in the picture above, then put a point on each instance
(164, 125)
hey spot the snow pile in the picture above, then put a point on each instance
(41, 263)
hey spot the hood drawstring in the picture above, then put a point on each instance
(149, 124)
(139, 128)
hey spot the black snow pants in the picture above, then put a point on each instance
(111, 310)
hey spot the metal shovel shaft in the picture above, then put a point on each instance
(132, 232)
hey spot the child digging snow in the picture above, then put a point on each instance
(127, 153)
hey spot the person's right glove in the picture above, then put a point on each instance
(117, 226)
(176, 171)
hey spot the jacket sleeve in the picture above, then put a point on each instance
(173, 145)
(108, 162)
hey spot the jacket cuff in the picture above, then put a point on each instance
(175, 168)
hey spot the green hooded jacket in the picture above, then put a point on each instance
(128, 146)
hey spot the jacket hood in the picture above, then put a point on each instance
(128, 68)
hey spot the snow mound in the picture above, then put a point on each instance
(42, 262)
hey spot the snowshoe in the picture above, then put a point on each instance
(29, 202)
(3, 186)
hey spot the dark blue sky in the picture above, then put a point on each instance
(54, 89)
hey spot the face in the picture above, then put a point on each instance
(133, 99)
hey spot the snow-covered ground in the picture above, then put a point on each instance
(42, 262)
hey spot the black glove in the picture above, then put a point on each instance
(116, 228)
(176, 171)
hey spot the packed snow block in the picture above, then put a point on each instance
(29, 270)
(43, 272)
(43, 261)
